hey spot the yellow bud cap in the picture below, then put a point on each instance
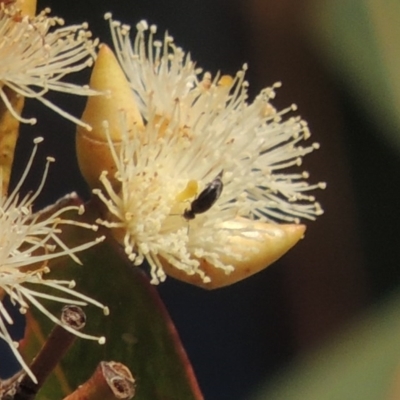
(9, 128)
(265, 244)
(117, 106)
(27, 7)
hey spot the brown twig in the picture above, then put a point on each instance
(111, 380)
(57, 344)
(8, 386)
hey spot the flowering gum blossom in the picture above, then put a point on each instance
(266, 244)
(93, 152)
(148, 175)
(9, 126)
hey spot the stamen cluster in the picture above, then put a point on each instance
(35, 55)
(196, 128)
(28, 241)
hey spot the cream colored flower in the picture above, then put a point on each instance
(36, 53)
(208, 186)
(161, 172)
(27, 242)
(160, 73)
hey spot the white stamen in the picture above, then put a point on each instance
(27, 242)
(196, 127)
(35, 57)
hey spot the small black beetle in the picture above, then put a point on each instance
(206, 198)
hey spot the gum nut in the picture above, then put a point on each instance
(117, 106)
(265, 243)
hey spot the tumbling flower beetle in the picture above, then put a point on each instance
(206, 198)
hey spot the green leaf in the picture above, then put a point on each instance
(360, 363)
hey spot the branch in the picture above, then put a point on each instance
(110, 381)
(57, 344)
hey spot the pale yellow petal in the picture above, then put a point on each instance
(9, 128)
(117, 107)
(270, 242)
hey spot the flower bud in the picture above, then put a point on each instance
(117, 106)
(265, 244)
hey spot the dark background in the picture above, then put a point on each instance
(239, 336)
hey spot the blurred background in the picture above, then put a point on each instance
(296, 330)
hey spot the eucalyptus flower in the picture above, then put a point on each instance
(28, 241)
(202, 184)
(159, 72)
(36, 53)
